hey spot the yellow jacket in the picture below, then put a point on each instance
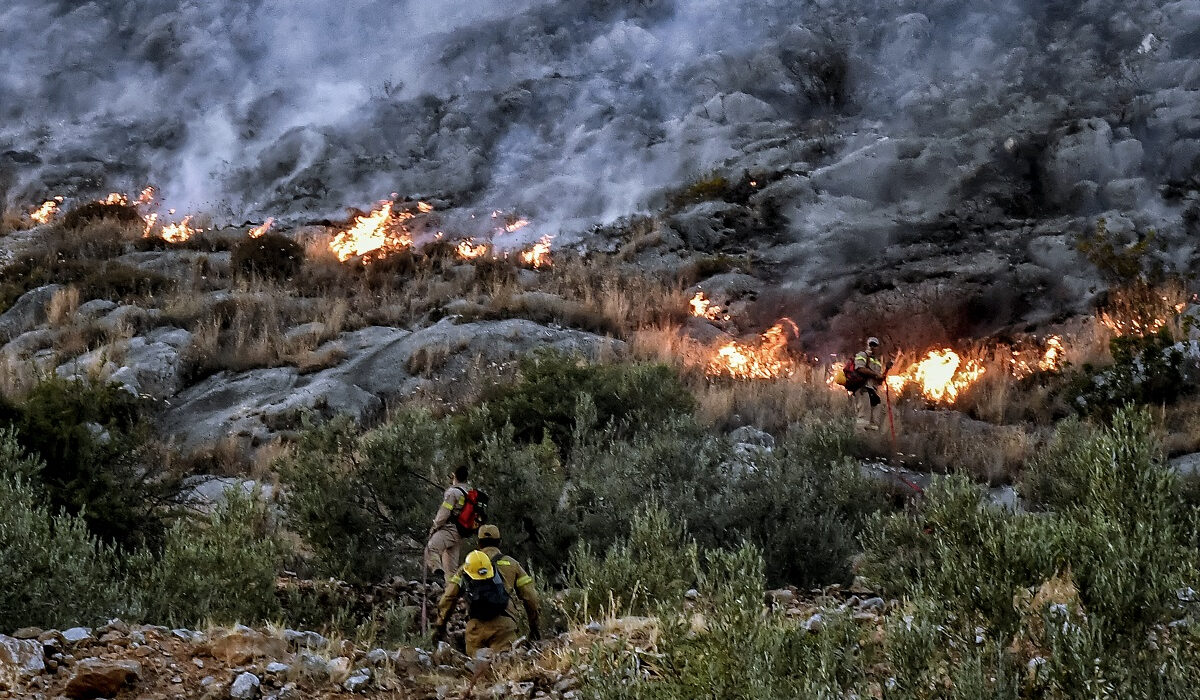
(518, 584)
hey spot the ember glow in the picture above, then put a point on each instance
(539, 255)
(941, 376)
(767, 360)
(467, 250)
(258, 231)
(1048, 360)
(516, 225)
(45, 213)
(381, 232)
(703, 308)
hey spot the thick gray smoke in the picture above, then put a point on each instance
(577, 112)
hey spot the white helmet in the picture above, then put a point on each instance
(872, 342)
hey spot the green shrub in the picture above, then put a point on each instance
(359, 502)
(222, 570)
(655, 564)
(1146, 370)
(53, 573)
(804, 503)
(270, 255)
(92, 441)
(1117, 525)
(543, 402)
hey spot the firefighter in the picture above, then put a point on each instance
(445, 540)
(491, 583)
(869, 373)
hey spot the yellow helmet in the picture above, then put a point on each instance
(478, 566)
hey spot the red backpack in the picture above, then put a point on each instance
(472, 513)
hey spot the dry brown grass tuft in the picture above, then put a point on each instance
(61, 308)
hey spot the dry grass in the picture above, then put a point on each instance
(61, 308)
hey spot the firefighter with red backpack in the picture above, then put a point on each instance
(459, 516)
(862, 377)
(491, 582)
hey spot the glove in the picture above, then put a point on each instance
(535, 634)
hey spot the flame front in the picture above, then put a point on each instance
(45, 213)
(941, 376)
(467, 250)
(539, 255)
(702, 307)
(769, 360)
(175, 233)
(516, 225)
(372, 232)
(258, 231)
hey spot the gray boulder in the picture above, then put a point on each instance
(244, 687)
(20, 658)
(27, 313)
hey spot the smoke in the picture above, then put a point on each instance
(576, 113)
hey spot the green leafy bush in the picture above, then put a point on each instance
(221, 570)
(544, 400)
(1150, 369)
(1116, 523)
(361, 502)
(92, 441)
(805, 503)
(270, 255)
(53, 572)
(654, 564)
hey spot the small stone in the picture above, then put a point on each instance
(28, 633)
(183, 635)
(692, 594)
(244, 687)
(875, 603)
(76, 635)
(377, 657)
(277, 668)
(358, 681)
(310, 640)
(816, 623)
(115, 638)
(339, 669)
(593, 627)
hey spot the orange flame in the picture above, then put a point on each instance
(516, 225)
(176, 233)
(45, 213)
(372, 232)
(940, 377)
(769, 360)
(702, 307)
(115, 198)
(468, 251)
(258, 231)
(539, 255)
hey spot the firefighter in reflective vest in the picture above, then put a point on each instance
(445, 541)
(491, 582)
(869, 373)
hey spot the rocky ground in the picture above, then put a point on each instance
(121, 661)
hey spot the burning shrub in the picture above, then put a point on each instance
(270, 255)
(123, 212)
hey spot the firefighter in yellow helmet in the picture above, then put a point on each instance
(491, 582)
(869, 374)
